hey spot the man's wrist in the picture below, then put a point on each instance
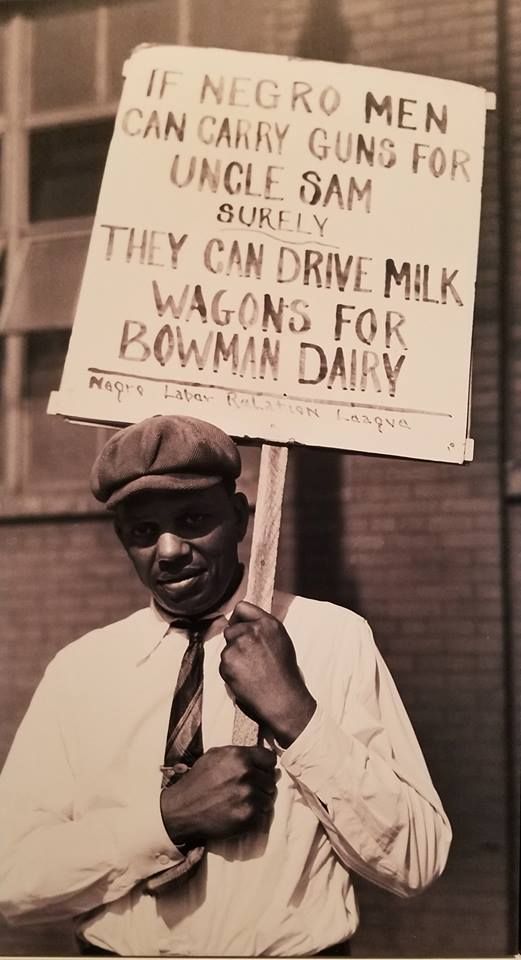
(175, 825)
(295, 720)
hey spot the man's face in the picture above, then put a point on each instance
(184, 544)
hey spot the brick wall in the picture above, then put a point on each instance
(511, 52)
(416, 548)
(421, 553)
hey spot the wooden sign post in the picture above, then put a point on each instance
(263, 557)
(287, 249)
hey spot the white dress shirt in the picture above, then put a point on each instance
(79, 797)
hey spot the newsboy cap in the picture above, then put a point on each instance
(163, 453)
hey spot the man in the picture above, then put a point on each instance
(114, 815)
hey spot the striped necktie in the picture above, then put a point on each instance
(184, 740)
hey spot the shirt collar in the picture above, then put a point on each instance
(161, 620)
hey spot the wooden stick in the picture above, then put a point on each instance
(263, 559)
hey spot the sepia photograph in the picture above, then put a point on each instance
(260, 478)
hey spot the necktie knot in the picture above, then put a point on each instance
(194, 628)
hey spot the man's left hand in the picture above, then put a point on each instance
(260, 666)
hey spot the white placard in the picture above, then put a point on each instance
(285, 248)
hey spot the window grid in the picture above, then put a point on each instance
(19, 119)
(19, 233)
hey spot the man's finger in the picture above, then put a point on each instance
(246, 611)
(265, 803)
(265, 781)
(234, 630)
(263, 758)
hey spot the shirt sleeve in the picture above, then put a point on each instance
(367, 782)
(53, 866)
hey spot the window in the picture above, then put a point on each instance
(63, 49)
(43, 294)
(66, 165)
(57, 454)
(129, 25)
(60, 79)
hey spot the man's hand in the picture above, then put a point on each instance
(228, 790)
(260, 666)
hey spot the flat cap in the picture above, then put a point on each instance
(163, 453)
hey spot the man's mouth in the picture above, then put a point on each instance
(181, 577)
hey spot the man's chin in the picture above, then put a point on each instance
(198, 596)
(182, 599)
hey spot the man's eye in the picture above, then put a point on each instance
(144, 532)
(193, 519)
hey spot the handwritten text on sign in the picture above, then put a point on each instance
(285, 248)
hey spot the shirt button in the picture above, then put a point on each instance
(163, 859)
(163, 945)
(180, 768)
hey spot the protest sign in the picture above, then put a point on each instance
(286, 248)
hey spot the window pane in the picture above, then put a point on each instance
(66, 167)
(47, 289)
(58, 453)
(144, 21)
(63, 63)
(236, 24)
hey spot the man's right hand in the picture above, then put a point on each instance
(228, 790)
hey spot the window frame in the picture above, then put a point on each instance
(18, 120)
(17, 233)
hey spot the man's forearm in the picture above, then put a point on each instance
(55, 869)
(379, 825)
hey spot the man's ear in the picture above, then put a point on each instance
(241, 509)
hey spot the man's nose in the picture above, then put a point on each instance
(171, 547)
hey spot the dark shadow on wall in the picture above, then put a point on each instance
(321, 570)
(326, 33)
